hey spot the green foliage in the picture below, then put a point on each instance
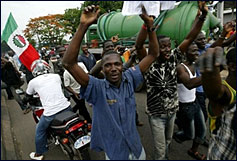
(50, 30)
(72, 17)
(47, 30)
(105, 6)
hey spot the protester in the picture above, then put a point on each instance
(74, 88)
(27, 73)
(97, 69)
(222, 96)
(190, 113)
(202, 47)
(87, 58)
(13, 58)
(57, 64)
(12, 81)
(113, 128)
(161, 81)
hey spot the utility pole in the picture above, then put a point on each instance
(220, 11)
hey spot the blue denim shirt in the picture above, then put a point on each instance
(114, 109)
(89, 62)
(200, 52)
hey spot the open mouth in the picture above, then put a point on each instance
(167, 55)
(114, 76)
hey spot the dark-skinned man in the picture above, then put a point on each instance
(161, 81)
(222, 97)
(113, 124)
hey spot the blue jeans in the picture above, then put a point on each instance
(41, 132)
(162, 128)
(193, 122)
(201, 100)
(132, 156)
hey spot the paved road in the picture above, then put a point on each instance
(23, 131)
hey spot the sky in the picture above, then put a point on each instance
(22, 11)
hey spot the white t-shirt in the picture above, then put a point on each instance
(70, 81)
(48, 87)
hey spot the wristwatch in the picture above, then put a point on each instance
(151, 29)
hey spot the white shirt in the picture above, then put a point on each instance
(70, 81)
(48, 87)
(186, 95)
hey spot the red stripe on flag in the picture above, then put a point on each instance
(28, 56)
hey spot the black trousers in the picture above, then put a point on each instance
(81, 106)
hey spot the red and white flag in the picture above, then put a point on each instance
(18, 43)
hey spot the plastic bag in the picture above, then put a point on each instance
(135, 8)
(152, 7)
(167, 5)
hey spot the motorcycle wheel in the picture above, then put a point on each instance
(82, 154)
(67, 150)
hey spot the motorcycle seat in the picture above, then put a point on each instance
(63, 117)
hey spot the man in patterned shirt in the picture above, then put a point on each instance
(161, 79)
(222, 97)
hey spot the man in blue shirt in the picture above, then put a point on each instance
(114, 108)
(87, 58)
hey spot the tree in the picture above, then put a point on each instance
(47, 30)
(105, 6)
(72, 18)
(50, 30)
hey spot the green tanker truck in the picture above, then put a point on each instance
(175, 23)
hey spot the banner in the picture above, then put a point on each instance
(18, 43)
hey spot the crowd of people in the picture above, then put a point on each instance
(179, 83)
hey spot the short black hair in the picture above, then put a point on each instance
(159, 37)
(110, 52)
(106, 42)
(231, 56)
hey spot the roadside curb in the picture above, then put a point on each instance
(8, 151)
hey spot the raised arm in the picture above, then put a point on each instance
(217, 93)
(196, 28)
(226, 28)
(153, 51)
(141, 51)
(209, 65)
(88, 17)
(231, 39)
(96, 71)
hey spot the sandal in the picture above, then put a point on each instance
(197, 155)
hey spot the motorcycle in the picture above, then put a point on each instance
(68, 129)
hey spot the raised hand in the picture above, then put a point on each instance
(148, 20)
(90, 15)
(202, 7)
(212, 58)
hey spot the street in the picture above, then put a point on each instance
(23, 128)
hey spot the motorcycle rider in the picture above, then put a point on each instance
(48, 87)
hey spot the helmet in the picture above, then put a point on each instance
(39, 67)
